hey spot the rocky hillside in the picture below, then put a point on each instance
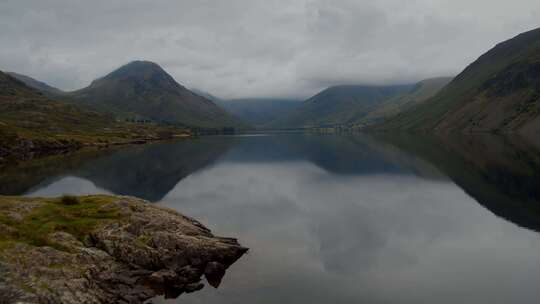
(143, 90)
(103, 249)
(499, 92)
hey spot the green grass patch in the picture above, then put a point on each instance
(143, 240)
(78, 216)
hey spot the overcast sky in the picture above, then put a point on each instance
(246, 48)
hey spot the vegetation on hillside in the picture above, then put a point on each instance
(499, 92)
(32, 124)
(143, 89)
(36, 84)
(421, 92)
(70, 214)
(339, 105)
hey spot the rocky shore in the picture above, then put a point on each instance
(24, 149)
(20, 149)
(104, 249)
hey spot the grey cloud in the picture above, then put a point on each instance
(240, 48)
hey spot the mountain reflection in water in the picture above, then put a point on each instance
(337, 218)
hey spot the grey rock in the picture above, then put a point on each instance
(152, 251)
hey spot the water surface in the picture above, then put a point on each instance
(337, 218)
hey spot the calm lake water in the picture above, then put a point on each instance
(336, 218)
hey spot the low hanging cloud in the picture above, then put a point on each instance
(246, 48)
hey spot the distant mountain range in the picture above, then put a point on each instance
(339, 105)
(142, 90)
(260, 112)
(499, 92)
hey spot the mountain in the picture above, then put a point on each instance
(36, 84)
(260, 112)
(339, 105)
(23, 108)
(421, 92)
(499, 92)
(144, 89)
(206, 95)
(33, 124)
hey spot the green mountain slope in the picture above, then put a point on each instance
(339, 105)
(25, 109)
(33, 124)
(500, 92)
(36, 84)
(144, 89)
(260, 112)
(421, 92)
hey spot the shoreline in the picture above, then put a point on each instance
(29, 149)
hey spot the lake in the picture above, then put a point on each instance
(336, 218)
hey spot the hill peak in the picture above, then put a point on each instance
(137, 64)
(143, 88)
(140, 72)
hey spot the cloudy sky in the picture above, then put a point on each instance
(246, 48)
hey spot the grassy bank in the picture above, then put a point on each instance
(18, 144)
(32, 220)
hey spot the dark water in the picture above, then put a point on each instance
(337, 218)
